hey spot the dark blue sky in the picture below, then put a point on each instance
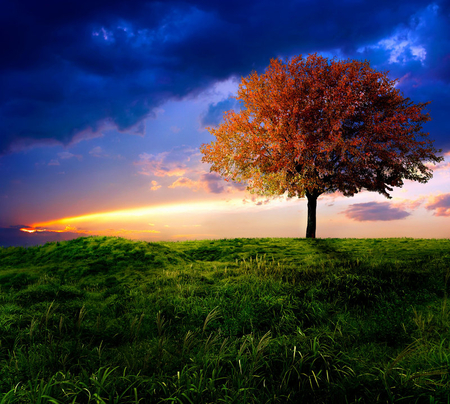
(93, 88)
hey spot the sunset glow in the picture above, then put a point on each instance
(39, 229)
(127, 214)
(30, 230)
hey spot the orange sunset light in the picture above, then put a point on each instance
(30, 230)
(33, 230)
(127, 216)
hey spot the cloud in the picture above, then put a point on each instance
(410, 40)
(259, 201)
(82, 67)
(64, 156)
(185, 182)
(408, 203)
(213, 116)
(417, 51)
(98, 152)
(155, 186)
(440, 204)
(374, 211)
(442, 166)
(211, 183)
(404, 45)
(173, 163)
(90, 133)
(67, 155)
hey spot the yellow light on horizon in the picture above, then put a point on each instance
(131, 220)
(28, 230)
(110, 216)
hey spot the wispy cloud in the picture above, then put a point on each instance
(185, 182)
(408, 42)
(98, 152)
(155, 186)
(442, 166)
(409, 204)
(66, 155)
(173, 163)
(211, 183)
(257, 200)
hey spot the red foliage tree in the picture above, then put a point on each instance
(314, 126)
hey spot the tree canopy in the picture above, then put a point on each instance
(313, 126)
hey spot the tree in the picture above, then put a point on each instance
(314, 126)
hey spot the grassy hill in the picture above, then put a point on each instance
(109, 320)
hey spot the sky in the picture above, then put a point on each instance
(104, 106)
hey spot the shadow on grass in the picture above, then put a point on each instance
(327, 247)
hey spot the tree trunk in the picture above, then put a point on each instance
(312, 208)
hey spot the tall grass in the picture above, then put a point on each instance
(108, 320)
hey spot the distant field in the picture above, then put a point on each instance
(109, 320)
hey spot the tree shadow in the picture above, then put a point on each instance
(330, 248)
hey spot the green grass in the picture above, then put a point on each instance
(109, 320)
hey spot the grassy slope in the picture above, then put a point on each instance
(243, 320)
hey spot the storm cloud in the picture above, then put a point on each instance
(71, 67)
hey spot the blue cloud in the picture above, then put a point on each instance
(374, 211)
(213, 116)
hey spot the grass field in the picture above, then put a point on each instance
(109, 320)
